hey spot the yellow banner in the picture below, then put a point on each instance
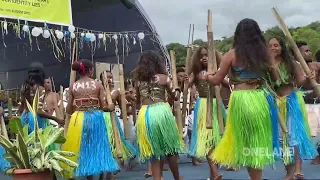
(49, 11)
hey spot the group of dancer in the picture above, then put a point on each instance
(267, 88)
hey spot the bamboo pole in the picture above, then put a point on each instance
(123, 103)
(177, 107)
(296, 50)
(10, 107)
(61, 107)
(113, 116)
(213, 67)
(52, 84)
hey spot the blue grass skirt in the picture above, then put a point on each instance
(157, 132)
(4, 164)
(251, 132)
(203, 139)
(87, 137)
(293, 112)
(127, 150)
(27, 119)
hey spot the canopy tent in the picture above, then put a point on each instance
(100, 15)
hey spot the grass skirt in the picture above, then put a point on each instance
(4, 164)
(87, 137)
(27, 119)
(157, 132)
(250, 129)
(293, 111)
(127, 150)
(203, 139)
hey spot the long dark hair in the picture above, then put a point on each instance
(36, 76)
(285, 55)
(149, 64)
(83, 66)
(250, 46)
(197, 65)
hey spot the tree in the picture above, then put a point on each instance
(309, 33)
(180, 52)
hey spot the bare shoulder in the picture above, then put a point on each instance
(229, 55)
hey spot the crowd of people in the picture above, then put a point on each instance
(267, 86)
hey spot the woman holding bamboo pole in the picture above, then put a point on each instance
(292, 108)
(203, 140)
(127, 150)
(87, 128)
(251, 125)
(36, 77)
(157, 131)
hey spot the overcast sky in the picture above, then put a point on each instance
(172, 17)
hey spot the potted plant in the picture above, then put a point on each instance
(29, 155)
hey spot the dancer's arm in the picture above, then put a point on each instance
(41, 112)
(171, 91)
(223, 70)
(103, 99)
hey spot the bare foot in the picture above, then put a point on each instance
(299, 175)
(316, 161)
(289, 177)
(148, 175)
(195, 162)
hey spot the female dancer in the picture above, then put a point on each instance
(249, 126)
(292, 109)
(35, 82)
(127, 150)
(157, 131)
(87, 128)
(204, 140)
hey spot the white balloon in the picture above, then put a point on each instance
(115, 37)
(88, 35)
(56, 31)
(40, 30)
(82, 34)
(141, 35)
(46, 34)
(25, 28)
(71, 29)
(72, 35)
(60, 35)
(35, 32)
(100, 36)
(93, 38)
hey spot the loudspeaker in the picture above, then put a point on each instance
(128, 3)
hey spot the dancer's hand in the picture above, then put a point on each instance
(61, 122)
(111, 107)
(311, 75)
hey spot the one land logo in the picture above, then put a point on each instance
(278, 152)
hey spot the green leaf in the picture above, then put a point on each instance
(64, 153)
(60, 140)
(33, 152)
(7, 142)
(11, 151)
(25, 132)
(9, 158)
(56, 133)
(23, 151)
(15, 125)
(9, 171)
(64, 160)
(55, 165)
(37, 163)
(30, 138)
